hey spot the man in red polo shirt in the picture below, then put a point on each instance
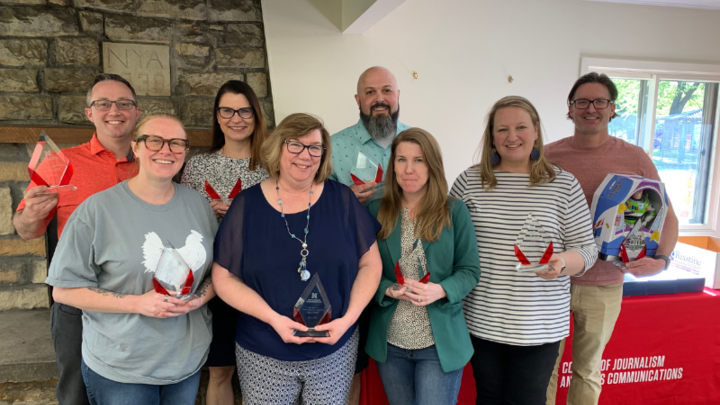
(99, 164)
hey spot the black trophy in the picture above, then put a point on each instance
(312, 309)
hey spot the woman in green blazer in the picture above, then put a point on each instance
(417, 333)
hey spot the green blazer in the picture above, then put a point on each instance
(453, 263)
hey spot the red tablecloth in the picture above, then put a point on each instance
(665, 351)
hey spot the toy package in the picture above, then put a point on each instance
(628, 214)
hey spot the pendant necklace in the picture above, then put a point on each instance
(304, 273)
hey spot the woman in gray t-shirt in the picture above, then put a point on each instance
(140, 346)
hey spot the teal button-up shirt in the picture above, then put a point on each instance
(345, 147)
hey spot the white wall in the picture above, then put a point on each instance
(463, 51)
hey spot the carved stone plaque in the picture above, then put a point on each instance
(146, 67)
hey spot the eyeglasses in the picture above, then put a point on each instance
(600, 103)
(297, 148)
(228, 113)
(105, 105)
(156, 143)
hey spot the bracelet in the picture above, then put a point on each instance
(563, 263)
(667, 260)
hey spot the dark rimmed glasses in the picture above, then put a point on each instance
(228, 113)
(600, 103)
(105, 105)
(297, 148)
(156, 143)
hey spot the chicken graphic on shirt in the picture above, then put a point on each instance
(193, 254)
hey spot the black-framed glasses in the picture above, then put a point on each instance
(105, 105)
(600, 103)
(296, 148)
(228, 113)
(156, 143)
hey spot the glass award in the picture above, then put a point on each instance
(416, 263)
(49, 166)
(214, 195)
(533, 248)
(312, 309)
(366, 169)
(173, 276)
(399, 277)
(633, 247)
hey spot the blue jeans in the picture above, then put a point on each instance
(414, 377)
(102, 391)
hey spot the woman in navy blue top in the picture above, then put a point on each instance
(275, 237)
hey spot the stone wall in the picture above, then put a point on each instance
(23, 266)
(50, 51)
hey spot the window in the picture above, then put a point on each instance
(671, 111)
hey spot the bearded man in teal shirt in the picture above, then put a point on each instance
(378, 98)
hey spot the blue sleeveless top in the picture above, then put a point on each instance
(253, 244)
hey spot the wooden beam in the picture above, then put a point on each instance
(78, 135)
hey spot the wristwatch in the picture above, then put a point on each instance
(667, 260)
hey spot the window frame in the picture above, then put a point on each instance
(654, 72)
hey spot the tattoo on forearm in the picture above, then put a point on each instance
(202, 289)
(105, 293)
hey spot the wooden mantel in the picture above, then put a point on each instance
(77, 135)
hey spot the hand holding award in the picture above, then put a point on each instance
(533, 247)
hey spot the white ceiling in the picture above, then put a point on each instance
(706, 4)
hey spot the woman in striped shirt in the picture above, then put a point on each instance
(517, 318)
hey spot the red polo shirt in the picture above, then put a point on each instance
(95, 169)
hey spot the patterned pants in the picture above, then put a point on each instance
(323, 381)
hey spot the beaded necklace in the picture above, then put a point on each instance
(304, 273)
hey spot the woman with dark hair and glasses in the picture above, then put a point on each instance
(231, 165)
(276, 240)
(140, 346)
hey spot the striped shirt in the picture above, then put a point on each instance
(508, 306)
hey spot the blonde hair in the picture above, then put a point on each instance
(433, 213)
(541, 170)
(292, 127)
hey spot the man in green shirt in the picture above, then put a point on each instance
(378, 98)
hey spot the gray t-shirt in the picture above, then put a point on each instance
(113, 241)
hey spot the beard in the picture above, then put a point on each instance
(381, 127)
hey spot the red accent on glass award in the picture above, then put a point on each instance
(425, 278)
(49, 166)
(548, 254)
(159, 288)
(188, 284)
(379, 174)
(236, 190)
(521, 257)
(211, 191)
(623, 254)
(398, 274)
(355, 180)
